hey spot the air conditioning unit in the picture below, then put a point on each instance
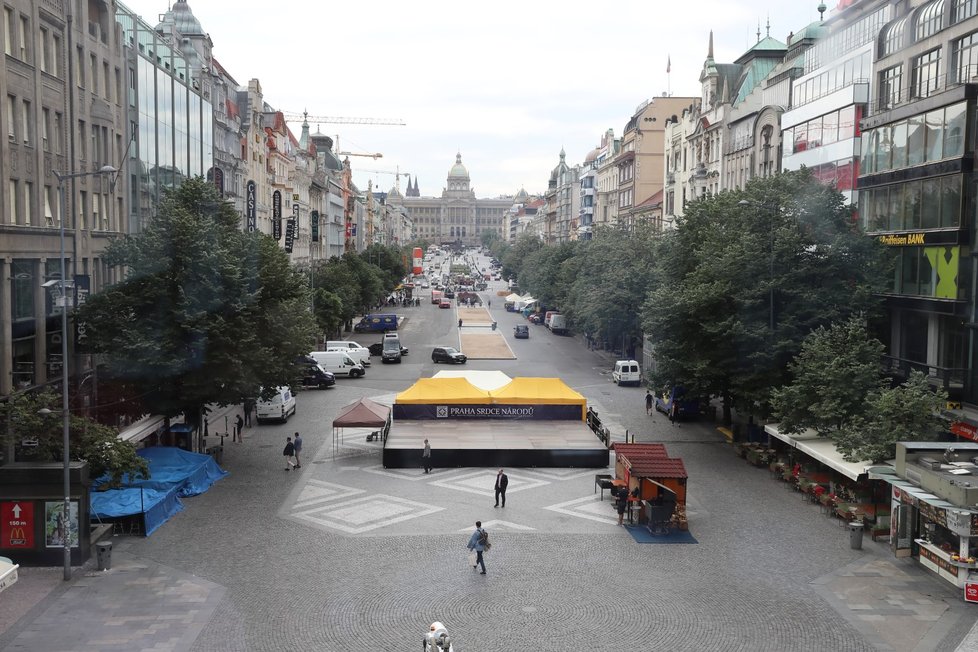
(929, 463)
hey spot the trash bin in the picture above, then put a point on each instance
(856, 535)
(103, 555)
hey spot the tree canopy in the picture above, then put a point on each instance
(746, 276)
(205, 314)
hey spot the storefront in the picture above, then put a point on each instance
(934, 488)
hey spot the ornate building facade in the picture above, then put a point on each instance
(457, 216)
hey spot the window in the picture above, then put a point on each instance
(27, 123)
(82, 141)
(45, 53)
(935, 135)
(954, 126)
(926, 68)
(930, 20)
(22, 299)
(964, 57)
(50, 201)
(56, 58)
(916, 140)
(28, 203)
(830, 128)
(8, 30)
(22, 43)
(894, 38)
(964, 9)
(891, 86)
(12, 200)
(899, 145)
(58, 133)
(950, 201)
(93, 64)
(11, 118)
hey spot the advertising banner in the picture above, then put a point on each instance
(535, 412)
(55, 527)
(289, 235)
(314, 225)
(83, 284)
(277, 215)
(251, 205)
(16, 524)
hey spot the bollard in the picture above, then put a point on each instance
(103, 555)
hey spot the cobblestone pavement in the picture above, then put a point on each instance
(344, 554)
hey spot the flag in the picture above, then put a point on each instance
(668, 64)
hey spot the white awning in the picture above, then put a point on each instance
(8, 573)
(822, 449)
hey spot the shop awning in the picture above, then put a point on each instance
(822, 449)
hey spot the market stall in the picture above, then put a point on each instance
(654, 480)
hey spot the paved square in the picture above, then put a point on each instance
(412, 475)
(317, 491)
(589, 507)
(366, 513)
(481, 482)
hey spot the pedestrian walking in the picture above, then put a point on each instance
(621, 502)
(648, 402)
(674, 413)
(460, 323)
(489, 303)
(249, 407)
(502, 481)
(289, 453)
(238, 426)
(426, 457)
(479, 542)
(297, 445)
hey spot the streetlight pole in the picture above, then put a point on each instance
(65, 415)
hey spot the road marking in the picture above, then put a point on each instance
(589, 507)
(500, 525)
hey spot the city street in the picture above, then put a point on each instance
(343, 554)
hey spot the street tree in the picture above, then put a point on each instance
(389, 261)
(746, 276)
(32, 425)
(487, 237)
(205, 314)
(909, 412)
(515, 257)
(610, 283)
(837, 369)
(541, 273)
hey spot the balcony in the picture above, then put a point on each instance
(937, 85)
(952, 379)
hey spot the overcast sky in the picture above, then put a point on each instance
(507, 84)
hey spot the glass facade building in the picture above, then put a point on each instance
(170, 121)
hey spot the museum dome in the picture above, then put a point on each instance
(458, 170)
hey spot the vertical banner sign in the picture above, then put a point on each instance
(252, 204)
(83, 285)
(290, 229)
(16, 524)
(314, 225)
(277, 215)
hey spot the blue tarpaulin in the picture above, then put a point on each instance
(173, 473)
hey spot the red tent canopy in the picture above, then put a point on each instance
(363, 414)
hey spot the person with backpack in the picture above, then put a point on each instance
(479, 542)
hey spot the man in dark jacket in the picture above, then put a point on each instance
(289, 453)
(502, 481)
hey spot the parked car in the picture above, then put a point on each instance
(449, 294)
(354, 349)
(391, 351)
(521, 332)
(377, 348)
(536, 318)
(313, 374)
(279, 406)
(626, 372)
(447, 354)
(338, 363)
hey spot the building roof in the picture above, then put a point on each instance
(458, 170)
(183, 19)
(650, 461)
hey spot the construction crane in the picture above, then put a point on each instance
(395, 173)
(339, 120)
(373, 156)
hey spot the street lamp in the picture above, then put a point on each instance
(772, 208)
(65, 416)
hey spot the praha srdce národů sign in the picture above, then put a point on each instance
(542, 412)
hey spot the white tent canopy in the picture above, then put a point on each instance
(485, 380)
(513, 297)
(822, 449)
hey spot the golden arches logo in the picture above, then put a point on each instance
(17, 537)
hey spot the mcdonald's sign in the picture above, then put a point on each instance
(16, 524)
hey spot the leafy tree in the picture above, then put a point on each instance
(541, 273)
(746, 276)
(328, 310)
(610, 282)
(837, 369)
(498, 248)
(488, 236)
(337, 277)
(514, 258)
(372, 282)
(910, 412)
(389, 262)
(36, 417)
(206, 313)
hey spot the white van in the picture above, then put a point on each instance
(355, 350)
(626, 372)
(279, 407)
(339, 363)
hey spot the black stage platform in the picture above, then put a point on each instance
(500, 442)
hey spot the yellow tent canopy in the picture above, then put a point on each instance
(530, 391)
(443, 391)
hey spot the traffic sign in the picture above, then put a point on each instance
(17, 524)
